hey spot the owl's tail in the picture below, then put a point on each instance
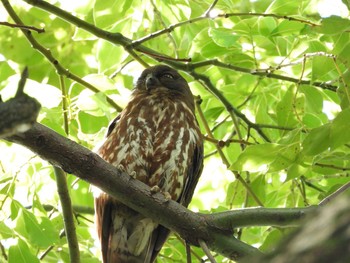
(125, 235)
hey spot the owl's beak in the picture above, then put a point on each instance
(151, 81)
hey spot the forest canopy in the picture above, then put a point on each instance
(270, 80)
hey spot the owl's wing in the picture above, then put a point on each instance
(112, 125)
(103, 208)
(161, 234)
(194, 172)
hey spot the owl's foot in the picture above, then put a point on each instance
(167, 196)
(133, 174)
(155, 189)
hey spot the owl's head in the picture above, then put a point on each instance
(161, 76)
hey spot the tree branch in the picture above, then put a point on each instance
(258, 217)
(39, 30)
(75, 159)
(215, 229)
(131, 46)
(67, 212)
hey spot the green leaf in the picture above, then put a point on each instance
(223, 37)
(334, 25)
(285, 158)
(286, 111)
(339, 132)
(317, 140)
(5, 231)
(321, 66)
(21, 253)
(329, 136)
(88, 122)
(41, 234)
(105, 12)
(266, 25)
(343, 93)
(256, 158)
(288, 28)
(15, 208)
(235, 194)
(109, 56)
(295, 171)
(258, 186)
(284, 7)
(273, 238)
(313, 99)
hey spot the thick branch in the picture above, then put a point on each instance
(215, 229)
(75, 159)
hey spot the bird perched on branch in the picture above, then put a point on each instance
(155, 139)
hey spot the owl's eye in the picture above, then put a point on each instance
(168, 75)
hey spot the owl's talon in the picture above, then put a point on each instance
(133, 174)
(167, 196)
(155, 189)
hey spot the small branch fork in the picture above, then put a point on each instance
(32, 28)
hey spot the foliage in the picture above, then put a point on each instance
(274, 97)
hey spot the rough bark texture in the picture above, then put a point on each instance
(324, 237)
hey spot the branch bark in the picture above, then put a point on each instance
(323, 237)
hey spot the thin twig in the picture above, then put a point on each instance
(68, 217)
(159, 15)
(250, 94)
(132, 46)
(332, 166)
(335, 194)
(188, 252)
(211, 7)
(206, 251)
(185, 244)
(47, 251)
(222, 143)
(206, 15)
(3, 251)
(39, 30)
(205, 81)
(346, 87)
(311, 185)
(64, 104)
(160, 57)
(259, 72)
(22, 82)
(308, 22)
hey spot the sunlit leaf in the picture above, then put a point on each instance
(5, 231)
(257, 158)
(21, 253)
(334, 25)
(223, 37)
(338, 131)
(318, 140)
